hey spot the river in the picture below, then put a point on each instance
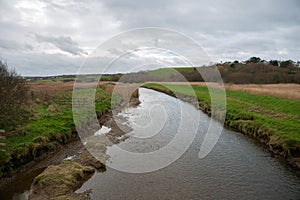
(237, 167)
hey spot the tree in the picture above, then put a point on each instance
(14, 97)
(274, 62)
(253, 60)
(286, 63)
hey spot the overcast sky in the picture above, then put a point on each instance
(54, 37)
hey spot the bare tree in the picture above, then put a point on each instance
(13, 97)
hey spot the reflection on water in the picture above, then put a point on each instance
(160, 134)
(19, 189)
(22, 196)
(237, 168)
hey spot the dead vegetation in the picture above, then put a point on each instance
(288, 91)
(14, 100)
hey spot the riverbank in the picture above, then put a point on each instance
(62, 180)
(272, 121)
(49, 137)
(49, 127)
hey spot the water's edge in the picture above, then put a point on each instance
(109, 170)
(277, 150)
(236, 168)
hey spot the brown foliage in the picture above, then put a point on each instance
(259, 73)
(14, 96)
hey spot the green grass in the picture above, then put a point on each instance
(51, 124)
(164, 73)
(184, 68)
(161, 73)
(275, 121)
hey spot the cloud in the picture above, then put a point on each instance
(68, 29)
(42, 64)
(207, 16)
(64, 43)
(13, 45)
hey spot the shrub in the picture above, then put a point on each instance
(14, 95)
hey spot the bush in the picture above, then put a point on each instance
(14, 97)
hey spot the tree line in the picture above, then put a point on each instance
(253, 70)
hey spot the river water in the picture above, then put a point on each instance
(236, 168)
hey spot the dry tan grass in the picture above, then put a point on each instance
(51, 87)
(289, 91)
(54, 87)
(127, 91)
(44, 90)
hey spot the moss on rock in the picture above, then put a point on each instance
(60, 181)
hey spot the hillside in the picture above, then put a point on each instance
(231, 72)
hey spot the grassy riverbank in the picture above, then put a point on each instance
(50, 124)
(273, 121)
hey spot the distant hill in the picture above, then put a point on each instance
(254, 71)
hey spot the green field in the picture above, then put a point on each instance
(274, 121)
(167, 73)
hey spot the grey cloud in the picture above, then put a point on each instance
(207, 15)
(43, 64)
(65, 44)
(226, 29)
(13, 45)
(230, 27)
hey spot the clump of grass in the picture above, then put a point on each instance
(60, 181)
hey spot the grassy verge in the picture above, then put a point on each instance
(273, 121)
(51, 124)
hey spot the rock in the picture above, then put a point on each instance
(2, 131)
(60, 181)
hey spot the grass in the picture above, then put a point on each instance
(184, 68)
(163, 73)
(282, 90)
(273, 120)
(289, 91)
(51, 124)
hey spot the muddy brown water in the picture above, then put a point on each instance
(236, 168)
